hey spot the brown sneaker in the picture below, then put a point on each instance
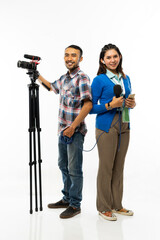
(123, 211)
(60, 204)
(70, 212)
(108, 215)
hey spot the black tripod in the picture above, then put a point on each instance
(34, 124)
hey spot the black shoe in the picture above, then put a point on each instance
(70, 212)
(60, 204)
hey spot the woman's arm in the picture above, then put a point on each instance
(130, 103)
(115, 103)
(97, 90)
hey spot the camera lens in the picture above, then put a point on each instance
(19, 64)
(26, 65)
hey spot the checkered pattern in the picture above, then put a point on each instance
(73, 89)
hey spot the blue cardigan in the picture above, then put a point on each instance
(102, 91)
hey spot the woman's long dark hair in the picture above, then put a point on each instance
(102, 67)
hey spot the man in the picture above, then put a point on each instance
(75, 104)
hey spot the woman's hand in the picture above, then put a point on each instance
(130, 102)
(117, 102)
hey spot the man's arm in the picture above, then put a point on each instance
(44, 82)
(87, 106)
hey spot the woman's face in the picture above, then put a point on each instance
(111, 60)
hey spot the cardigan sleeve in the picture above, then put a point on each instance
(97, 89)
(128, 87)
(130, 84)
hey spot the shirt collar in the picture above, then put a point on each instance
(112, 75)
(74, 73)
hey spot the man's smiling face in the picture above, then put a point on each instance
(72, 58)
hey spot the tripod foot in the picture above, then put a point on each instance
(41, 209)
(36, 209)
(31, 211)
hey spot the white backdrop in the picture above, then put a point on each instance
(45, 28)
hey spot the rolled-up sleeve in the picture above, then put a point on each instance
(85, 88)
(56, 86)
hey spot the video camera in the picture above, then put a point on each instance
(32, 66)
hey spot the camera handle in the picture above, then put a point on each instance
(34, 125)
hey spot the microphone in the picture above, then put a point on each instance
(117, 90)
(32, 57)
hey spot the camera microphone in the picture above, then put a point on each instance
(32, 57)
(117, 90)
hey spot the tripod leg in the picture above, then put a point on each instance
(32, 144)
(39, 146)
(35, 170)
(40, 179)
(30, 148)
(30, 167)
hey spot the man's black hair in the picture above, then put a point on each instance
(76, 47)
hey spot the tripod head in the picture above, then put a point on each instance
(33, 74)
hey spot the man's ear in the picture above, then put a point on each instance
(81, 58)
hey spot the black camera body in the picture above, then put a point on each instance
(32, 66)
(27, 65)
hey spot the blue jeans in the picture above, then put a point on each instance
(70, 163)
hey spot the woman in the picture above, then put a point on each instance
(112, 130)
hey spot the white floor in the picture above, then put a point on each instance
(18, 224)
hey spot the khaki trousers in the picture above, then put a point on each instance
(111, 165)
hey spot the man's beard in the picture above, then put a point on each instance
(72, 67)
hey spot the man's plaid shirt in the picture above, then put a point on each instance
(73, 89)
